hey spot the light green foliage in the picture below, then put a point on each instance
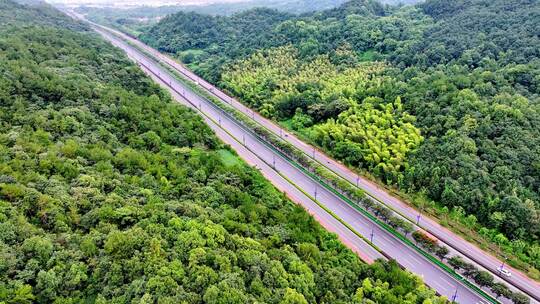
(281, 78)
(368, 132)
(293, 297)
(112, 193)
(228, 158)
(469, 75)
(257, 78)
(378, 135)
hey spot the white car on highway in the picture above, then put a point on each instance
(504, 271)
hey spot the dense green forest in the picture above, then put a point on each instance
(112, 193)
(440, 100)
(136, 20)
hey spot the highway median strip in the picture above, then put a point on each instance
(343, 186)
(253, 129)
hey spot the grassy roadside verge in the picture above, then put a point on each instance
(458, 223)
(430, 208)
(364, 212)
(455, 222)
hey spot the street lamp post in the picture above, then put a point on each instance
(503, 262)
(371, 235)
(357, 180)
(316, 187)
(454, 297)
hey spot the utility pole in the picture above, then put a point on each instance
(419, 214)
(454, 297)
(503, 263)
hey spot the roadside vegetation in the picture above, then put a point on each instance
(393, 221)
(112, 193)
(438, 101)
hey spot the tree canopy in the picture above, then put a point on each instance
(440, 99)
(112, 193)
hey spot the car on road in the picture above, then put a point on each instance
(504, 271)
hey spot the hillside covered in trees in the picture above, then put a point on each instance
(440, 100)
(112, 193)
(135, 20)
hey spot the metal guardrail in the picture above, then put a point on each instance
(314, 177)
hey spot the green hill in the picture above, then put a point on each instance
(110, 192)
(440, 101)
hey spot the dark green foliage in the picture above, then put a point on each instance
(456, 262)
(112, 193)
(519, 298)
(37, 13)
(469, 30)
(466, 72)
(132, 16)
(500, 289)
(441, 252)
(483, 278)
(425, 241)
(234, 36)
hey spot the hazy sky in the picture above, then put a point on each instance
(141, 2)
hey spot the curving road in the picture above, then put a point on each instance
(454, 242)
(305, 191)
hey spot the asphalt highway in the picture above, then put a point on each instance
(455, 242)
(305, 190)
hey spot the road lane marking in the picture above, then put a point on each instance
(382, 234)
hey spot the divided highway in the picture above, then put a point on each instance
(456, 243)
(437, 278)
(304, 190)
